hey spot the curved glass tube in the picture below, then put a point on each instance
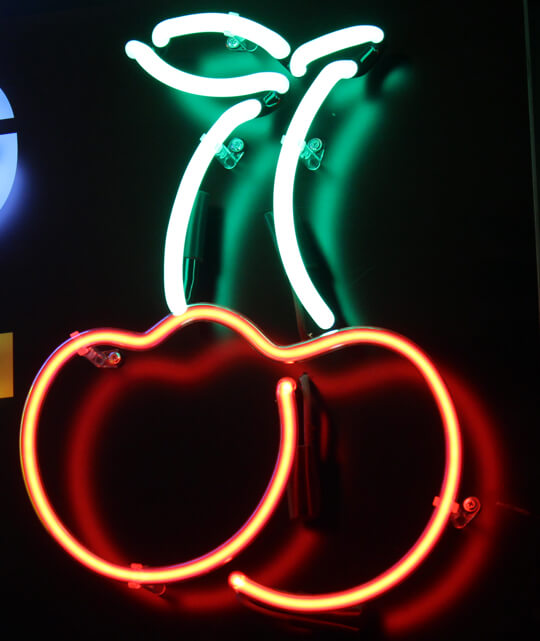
(162, 71)
(226, 23)
(292, 145)
(332, 43)
(142, 341)
(173, 268)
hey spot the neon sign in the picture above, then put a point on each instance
(332, 43)
(8, 152)
(149, 339)
(285, 389)
(293, 142)
(187, 193)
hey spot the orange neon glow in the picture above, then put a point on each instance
(432, 532)
(118, 338)
(285, 395)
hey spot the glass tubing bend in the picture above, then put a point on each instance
(284, 220)
(288, 421)
(283, 194)
(292, 142)
(142, 341)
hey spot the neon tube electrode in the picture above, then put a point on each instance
(285, 354)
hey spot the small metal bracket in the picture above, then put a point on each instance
(366, 57)
(229, 156)
(312, 153)
(236, 43)
(270, 101)
(159, 588)
(462, 513)
(105, 359)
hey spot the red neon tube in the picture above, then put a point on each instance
(286, 354)
(118, 338)
(439, 518)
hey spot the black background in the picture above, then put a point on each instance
(423, 211)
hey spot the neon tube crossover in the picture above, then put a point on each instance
(187, 193)
(130, 340)
(332, 43)
(292, 145)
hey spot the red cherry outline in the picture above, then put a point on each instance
(130, 340)
(288, 354)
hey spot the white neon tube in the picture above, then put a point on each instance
(292, 145)
(225, 23)
(331, 43)
(200, 85)
(173, 273)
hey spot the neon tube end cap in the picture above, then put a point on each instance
(237, 580)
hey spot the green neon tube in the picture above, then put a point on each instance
(292, 145)
(225, 23)
(331, 43)
(187, 192)
(199, 85)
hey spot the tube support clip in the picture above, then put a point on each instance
(312, 153)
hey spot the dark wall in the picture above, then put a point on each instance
(424, 221)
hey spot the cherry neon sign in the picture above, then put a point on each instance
(184, 315)
(274, 492)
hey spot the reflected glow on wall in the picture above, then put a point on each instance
(346, 157)
(247, 196)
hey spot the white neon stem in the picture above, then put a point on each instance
(187, 192)
(292, 145)
(225, 23)
(331, 43)
(246, 85)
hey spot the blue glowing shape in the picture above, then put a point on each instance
(8, 152)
